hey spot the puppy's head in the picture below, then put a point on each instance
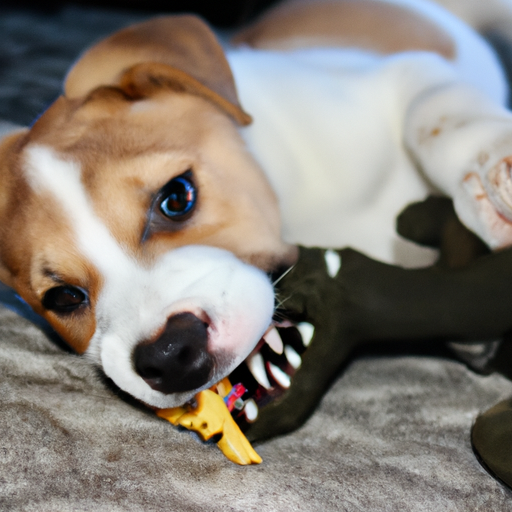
(134, 220)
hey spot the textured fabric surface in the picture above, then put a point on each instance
(392, 434)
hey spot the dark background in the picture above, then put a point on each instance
(224, 13)
(40, 40)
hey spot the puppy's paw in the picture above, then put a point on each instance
(486, 206)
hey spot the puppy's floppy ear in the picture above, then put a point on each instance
(176, 52)
(10, 192)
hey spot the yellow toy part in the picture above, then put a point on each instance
(223, 387)
(211, 417)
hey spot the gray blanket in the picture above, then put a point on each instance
(392, 434)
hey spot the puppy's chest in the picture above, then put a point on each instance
(327, 132)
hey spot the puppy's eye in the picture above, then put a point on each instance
(64, 299)
(178, 197)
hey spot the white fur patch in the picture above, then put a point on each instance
(46, 172)
(338, 137)
(136, 301)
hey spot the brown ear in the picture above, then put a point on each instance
(10, 145)
(179, 52)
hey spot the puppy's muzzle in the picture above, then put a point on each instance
(178, 360)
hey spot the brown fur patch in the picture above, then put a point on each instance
(365, 24)
(39, 252)
(127, 156)
(178, 48)
(127, 151)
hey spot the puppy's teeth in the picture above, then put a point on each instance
(293, 358)
(251, 410)
(281, 378)
(274, 341)
(256, 366)
(306, 331)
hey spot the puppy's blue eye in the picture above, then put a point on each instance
(64, 299)
(179, 197)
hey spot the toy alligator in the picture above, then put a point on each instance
(341, 299)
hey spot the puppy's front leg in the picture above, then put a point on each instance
(462, 140)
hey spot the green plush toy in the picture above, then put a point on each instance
(351, 299)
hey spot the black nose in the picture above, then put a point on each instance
(178, 360)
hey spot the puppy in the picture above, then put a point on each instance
(143, 212)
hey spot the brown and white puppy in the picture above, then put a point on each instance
(140, 216)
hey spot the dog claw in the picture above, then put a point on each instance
(211, 417)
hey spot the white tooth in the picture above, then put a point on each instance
(293, 358)
(332, 262)
(274, 341)
(251, 410)
(306, 331)
(257, 367)
(282, 378)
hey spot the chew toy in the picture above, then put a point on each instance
(211, 416)
(352, 300)
(348, 299)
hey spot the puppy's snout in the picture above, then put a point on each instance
(178, 360)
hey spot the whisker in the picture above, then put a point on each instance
(283, 275)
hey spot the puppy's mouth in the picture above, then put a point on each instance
(267, 372)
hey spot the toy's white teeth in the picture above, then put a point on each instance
(272, 365)
(251, 410)
(274, 341)
(256, 366)
(279, 376)
(292, 357)
(306, 331)
(332, 262)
